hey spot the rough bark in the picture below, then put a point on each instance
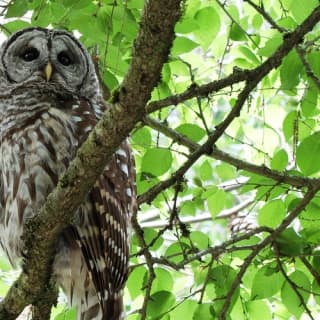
(151, 50)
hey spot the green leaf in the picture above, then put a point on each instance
(249, 55)
(289, 296)
(258, 310)
(313, 60)
(15, 25)
(184, 310)
(290, 71)
(222, 278)
(242, 254)
(203, 311)
(182, 45)
(257, 21)
(225, 171)
(17, 9)
(110, 80)
(311, 236)
(188, 208)
(270, 46)
(178, 68)
(161, 91)
(149, 236)
(290, 124)
(159, 303)
(290, 243)
(309, 102)
(237, 33)
(309, 217)
(308, 154)
(301, 9)
(206, 171)
(266, 283)
(156, 161)
(76, 5)
(209, 25)
(200, 240)
(135, 281)
(316, 290)
(287, 22)
(216, 202)
(279, 160)
(176, 251)
(192, 131)
(142, 137)
(186, 25)
(70, 314)
(91, 30)
(271, 214)
(166, 73)
(114, 61)
(163, 281)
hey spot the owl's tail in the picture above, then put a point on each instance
(112, 309)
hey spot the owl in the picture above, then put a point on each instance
(49, 101)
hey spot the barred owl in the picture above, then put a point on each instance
(49, 102)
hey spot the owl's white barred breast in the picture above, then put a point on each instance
(32, 157)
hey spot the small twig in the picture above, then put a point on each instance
(309, 71)
(5, 8)
(314, 272)
(282, 177)
(266, 15)
(206, 280)
(269, 239)
(292, 284)
(223, 7)
(199, 91)
(215, 251)
(140, 236)
(224, 214)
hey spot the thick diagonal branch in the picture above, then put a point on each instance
(154, 41)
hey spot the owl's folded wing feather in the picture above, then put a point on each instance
(105, 239)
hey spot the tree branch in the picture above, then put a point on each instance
(40, 233)
(290, 40)
(291, 283)
(249, 259)
(281, 177)
(224, 214)
(199, 91)
(266, 15)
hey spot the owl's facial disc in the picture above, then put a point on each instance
(68, 59)
(25, 55)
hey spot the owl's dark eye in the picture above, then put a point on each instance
(64, 58)
(30, 54)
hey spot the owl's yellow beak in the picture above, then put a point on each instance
(48, 71)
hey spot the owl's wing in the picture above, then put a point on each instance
(105, 236)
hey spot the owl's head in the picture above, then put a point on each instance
(47, 56)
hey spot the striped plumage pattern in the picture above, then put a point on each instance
(42, 123)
